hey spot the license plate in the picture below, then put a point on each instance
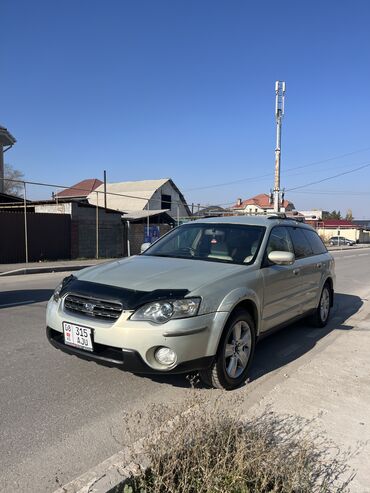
(77, 336)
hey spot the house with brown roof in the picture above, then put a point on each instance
(261, 204)
(80, 190)
(341, 227)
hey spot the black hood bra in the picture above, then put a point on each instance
(130, 299)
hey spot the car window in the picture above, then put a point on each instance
(302, 247)
(180, 242)
(215, 242)
(279, 241)
(315, 241)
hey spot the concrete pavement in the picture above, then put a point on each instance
(61, 415)
(47, 266)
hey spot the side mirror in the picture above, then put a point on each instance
(144, 247)
(281, 258)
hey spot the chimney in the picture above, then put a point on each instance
(239, 202)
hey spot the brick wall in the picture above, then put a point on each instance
(112, 240)
(137, 233)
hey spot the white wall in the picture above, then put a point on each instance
(167, 189)
(61, 208)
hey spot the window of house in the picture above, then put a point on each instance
(166, 201)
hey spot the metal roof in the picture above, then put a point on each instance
(135, 215)
(6, 138)
(132, 195)
(80, 189)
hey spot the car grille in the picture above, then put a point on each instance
(92, 307)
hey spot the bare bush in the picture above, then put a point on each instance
(215, 452)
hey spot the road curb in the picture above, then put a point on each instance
(110, 474)
(348, 248)
(114, 472)
(44, 270)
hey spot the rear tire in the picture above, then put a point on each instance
(234, 355)
(322, 313)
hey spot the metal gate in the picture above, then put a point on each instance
(48, 235)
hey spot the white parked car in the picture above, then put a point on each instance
(197, 299)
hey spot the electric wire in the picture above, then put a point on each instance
(256, 178)
(328, 178)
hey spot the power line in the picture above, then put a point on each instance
(53, 185)
(332, 192)
(256, 178)
(329, 178)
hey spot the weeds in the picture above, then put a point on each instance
(216, 452)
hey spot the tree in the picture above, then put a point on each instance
(349, 215)
(332, 215)
(13, 187)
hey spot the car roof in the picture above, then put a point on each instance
(251, 220)
(266, 221)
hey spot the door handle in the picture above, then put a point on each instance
(319, 265)
(296, 272)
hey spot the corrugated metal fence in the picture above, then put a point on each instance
(48, 235)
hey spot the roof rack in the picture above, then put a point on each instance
(282, 215)
(277, 215)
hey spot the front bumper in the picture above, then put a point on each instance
(131, 344)
(126, 359)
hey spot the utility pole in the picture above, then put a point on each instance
(279, 113)
(105, 189)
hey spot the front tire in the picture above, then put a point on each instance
(321, 316)
(235, 353)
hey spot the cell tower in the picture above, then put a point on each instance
(279, 113)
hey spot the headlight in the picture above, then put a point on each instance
(57, 291)
(160, 312)
(59, 288)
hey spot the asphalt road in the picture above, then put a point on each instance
(59, 415)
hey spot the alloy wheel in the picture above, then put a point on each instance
(238, 349)
(325, 304)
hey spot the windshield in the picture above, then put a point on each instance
(237, 244)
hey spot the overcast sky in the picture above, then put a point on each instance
(185, 89)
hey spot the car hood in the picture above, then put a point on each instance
(149, 273)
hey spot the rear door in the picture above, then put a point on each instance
(308, 267)
(320, 260)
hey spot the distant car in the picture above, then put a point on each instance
(340, 240)
(198, 298)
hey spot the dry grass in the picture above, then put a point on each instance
(215, 452)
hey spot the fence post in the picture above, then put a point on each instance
(97, 226)
(148, 221)
(25, 222)
(128, 239)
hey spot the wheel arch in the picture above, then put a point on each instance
(330, 282)
(250, 306)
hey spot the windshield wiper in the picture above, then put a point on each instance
(169, 256)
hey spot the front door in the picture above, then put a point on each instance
(282, 283)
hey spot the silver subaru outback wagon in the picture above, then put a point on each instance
(199, 298)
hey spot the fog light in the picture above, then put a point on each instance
(165, 356)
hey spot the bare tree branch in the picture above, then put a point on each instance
(11, 187)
